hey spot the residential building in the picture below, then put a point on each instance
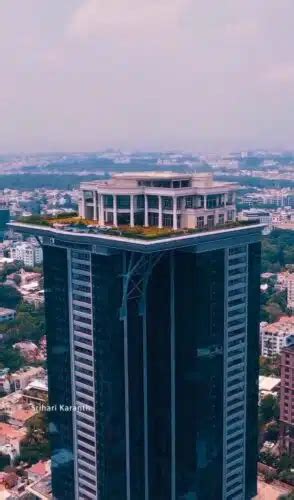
(39, 470)
(273, 335)
(268, 386)
(15, 411)
(162, 199)
(155, 345)
(290, 292)
(41, 489)
(36, 393)
(31, 255)
(256, 214)
(7, 314)
(287, 398)
(9, 435)
(4, 380)
(21, 378)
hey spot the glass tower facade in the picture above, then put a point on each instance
(158, 355)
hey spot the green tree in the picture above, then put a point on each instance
(11, 358)
(35, 446)
(9, 297)
(269, 408)
(272, 431)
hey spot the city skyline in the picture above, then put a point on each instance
(147, 75)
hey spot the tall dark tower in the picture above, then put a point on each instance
(4, 219)
(154, 343)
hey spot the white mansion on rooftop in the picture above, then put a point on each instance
(162, 199)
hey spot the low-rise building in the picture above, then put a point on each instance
(287, 398)
(20, 379)
(39, 470)
(290, 291)
(28, 253)
(10, 438)
(41, 489)
(4, 380)
(273, 335)
(268, 385)
(15, 411)
(36, 393)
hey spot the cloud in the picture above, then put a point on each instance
(96, 16)
(281, 73)
(195, 74)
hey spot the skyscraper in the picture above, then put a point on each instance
(153, 342)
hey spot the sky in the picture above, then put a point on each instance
(195, 75)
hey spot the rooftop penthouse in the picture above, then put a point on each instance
(160, 199)
(146, 212)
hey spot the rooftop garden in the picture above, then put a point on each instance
(73, 223)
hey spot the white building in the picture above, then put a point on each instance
(161, 199)
(273, 336)
(268, 385)
(290, 292)
(253, 214)
(31, 255)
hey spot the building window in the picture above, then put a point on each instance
(200, 221)
(108, 201)
(153, 219)
(231, 214)
(167, 220)
(230, 199)
(140, 201)
(189, 201)
(153, 202)
(123, 202)
(214, 201)
(221, 219)
(210, 221)
(167, 203)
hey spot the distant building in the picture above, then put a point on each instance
(273, 336)
(20, 379)
(268, 385)
(9, 435)
(7, 314)
(287, 400)
(290, 292)
(255, 214)
(41, 489)
(31, 255)
(4, 381)
(20, 416)
(36, 392)
(39, 470)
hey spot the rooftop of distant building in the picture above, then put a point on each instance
(284, 326)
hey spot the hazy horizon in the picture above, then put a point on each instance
(149, 75)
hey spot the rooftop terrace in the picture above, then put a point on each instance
(74, 224)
